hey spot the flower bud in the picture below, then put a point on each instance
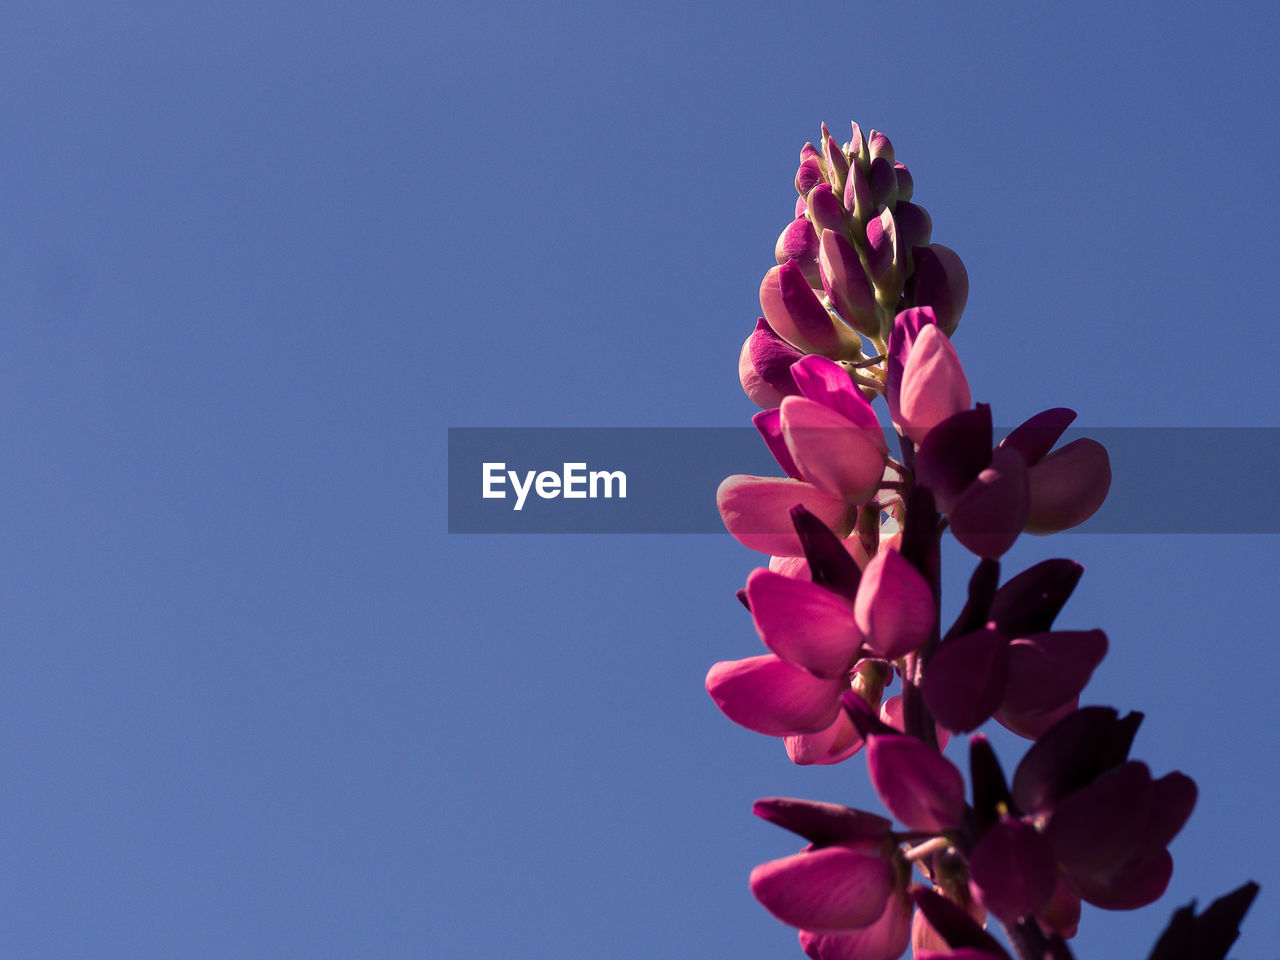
(764, 366)
(825, 210)
(941, 282)
(799, 242)
(884, 185)
(845, 281)
(858, 147)
(879, 146)
(884, 254)
(906, 185)
(837, 163)
(794, 312)
(915, 227)
(809, 175)
(857, 197)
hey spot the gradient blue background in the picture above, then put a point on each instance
(255, 258)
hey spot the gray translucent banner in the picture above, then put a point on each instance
(1164, 479)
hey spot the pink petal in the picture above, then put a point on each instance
(758, 391)
(799, 242)
(884, 250)
(837, 743)
(885, 939)
(827, 889)
(906, 328)
(768, 695)
(807, 625)
(826, 382)
(757, 511)
(1068, 486)
(826, 209)
(895, 608)
(809, 175)
(846, 283)
(933, 384)
(916, 783)
(989, 515)
(891, 713)
(769, 425)
(838, 457)
(770, 357)
(793, 311)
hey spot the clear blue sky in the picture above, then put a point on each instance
(255, 258)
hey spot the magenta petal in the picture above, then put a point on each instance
(1013, 870)
(1062, 913)
(1071, 754)
(768, 695)
(933, 384)
(857, 195)
(809, 175)
(846, 283)
(884, 182)
(837, 162)
(772, 357)
(1068, 486)
(807, 625)
(895, 608)
(1033, 726)
(891, 713)
(941, 282)
(902, 337)
(1046, 670)
(884, 251)
(885, 939)
(915, 226)
(916, 783)
(992, 511)
(794, 312)
(826, 210)
(838, 457)
(826, 889)
(953, 453)
(769, 424)
(799, 242)
(826, 382)
(964, 681)
(837, 743)
(824, 824)
(757, 511)
(1035, 437)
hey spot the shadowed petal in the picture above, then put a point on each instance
(1035, 437)
(807, 625)
(1012, 870)
(1135, 884)
(965, 680)
(1047, 670)
(769, 425)
(824, 824)
(1099, 827)
(916, 783)
(827, 889)
(942, 283)
(846, 283)
(768, 695)
(1030, 601)
(757, 511)
(953, 453)
(1068, 486)
(992, 511)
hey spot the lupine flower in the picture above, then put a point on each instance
(833, 450)
(764, 366)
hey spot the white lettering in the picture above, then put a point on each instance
(608, 477)
(493, 475)
(521, 492)
(548, 485)
(575, 473)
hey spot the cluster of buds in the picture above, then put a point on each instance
(857, 253)
(861, 307)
